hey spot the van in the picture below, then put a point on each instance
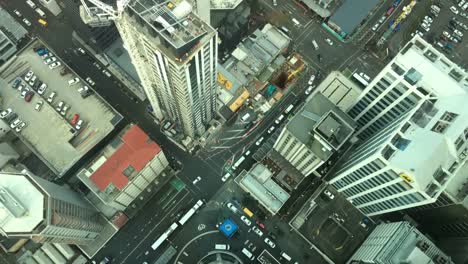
(316, 47)
(285, 256)
(296, 22)
(31, 3)
(248, 254)
(40, 12)
(285, 30)
(222, 247)
(245, 117)
(247, 212)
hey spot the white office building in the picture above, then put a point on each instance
(31, 207)
(416, 106)
(174, 53)
(395, 243)
(417, 73)
(314, 133)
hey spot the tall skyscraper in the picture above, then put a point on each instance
(31, 207)
(417, 156)
(174, 53)
(395, 243)
(419, 72)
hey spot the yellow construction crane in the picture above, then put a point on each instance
(295, 72)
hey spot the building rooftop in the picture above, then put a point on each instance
(255, 53)
(224, 4)
(321, 125)
(21, 203)
(175, 23)
(351, 13)
(122, 159)
(434, 71)
(340, 90)
(48, 134)
(258, 181)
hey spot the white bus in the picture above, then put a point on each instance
(164, 236)
(316, 47)
(290, 107)
(245, 117)
(361, 80)
(238, 162)
(190, 212)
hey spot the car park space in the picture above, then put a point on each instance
(52, 127)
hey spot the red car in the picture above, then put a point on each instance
(74, 119)
(29, 95)
(260, 224)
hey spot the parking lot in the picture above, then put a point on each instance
(52, 135)
(333, 225)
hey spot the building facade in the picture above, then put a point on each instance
(174, 53)
(394, 243)
(125, 168)
(314, 133)
(417, 73)
(34, 208)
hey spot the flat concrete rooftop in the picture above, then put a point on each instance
(47, 133)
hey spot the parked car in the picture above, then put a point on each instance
(64, 110)
(32, 80)
(60, 106)
(28, 75)
(271, 129)
(73, 81)
(311, 79)
(232, 207)
(81, 50)
(25, 21)
(74, 119)
(28, 97)
(15, 123)
(51, 97)
(196, 180)
(375, 27)
(259, 141)
(257, 231)
(458, 32)
(6, 113)
(20, 127)
(90, 81)
(309, 89)
(79, 124)
(329, 41)
(246, 220)
(454, 10)
(17, 13)
(269, 242)
(16, 83)
(54, 65)
(38, 106)
(42, 89)
(329, 194)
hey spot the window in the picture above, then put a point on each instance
(448, 116)
(440, 127)
(459, 142)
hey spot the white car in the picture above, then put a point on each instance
(225, 177)
(446, 34)
(196, 180)
(90, 81)
(5, 113)
(382, 19)
(33, 79)
(270, 243)
(81, 50)
(232, 208)
(17, 13)
(73, 81)
(279, 119)
(54, 65)
(247, 153)
(20, 127)
(59, 106)
(259, 141)
(309, 90)
(51, 97)
(28, 75)
(311, 79)
(458, 32)
(15, 123)
(271, 129)
(38, 106)
(329, 194)
(24, 92)
(83, 89)
(375, 27)
(64, 110)
(50, 60)
(257, 231)
(428, 19)
(107, 73)
(79, 124)
(246, 220)
(42, 89)
(454, 10)
(329, 41)
(26, 22)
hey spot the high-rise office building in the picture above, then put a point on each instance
(174, 53)
(395, 243)
(315, 132)
(31, 207)
(417, 73)
(417, 158)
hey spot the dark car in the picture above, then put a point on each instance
(16, 83)
(319, 57)
(248, 126)
(29, 95)
(11, 117)
(36, 85)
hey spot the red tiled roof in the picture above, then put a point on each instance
(136, 151)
